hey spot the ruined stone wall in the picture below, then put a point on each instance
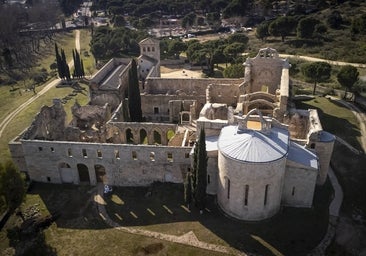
(224, 93)
(125, 165)
(189, 86)
(299, 185)
(138, 130)
(160, 103)
(17, 154)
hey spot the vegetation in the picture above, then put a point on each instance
(115, 42)
(134, 98)
(196, 181)
(316, 72)
(12, 189)
(347, 77)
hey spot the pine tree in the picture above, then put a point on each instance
(201, 175)
(134, 97)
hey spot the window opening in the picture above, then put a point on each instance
(266, 194)
(246, 193)
(85, 155)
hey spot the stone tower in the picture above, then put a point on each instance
(149, 58)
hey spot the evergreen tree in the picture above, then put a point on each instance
(12, 187)
(201, 175)
(65, 66)
(188, 190)
(82, 68)
(60, 67)
(74, 74)
(78, 64)
(134, 97)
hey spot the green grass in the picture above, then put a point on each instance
(292, 232)
(25, 118)
(79, 230)
(88, 59)
(336, 119)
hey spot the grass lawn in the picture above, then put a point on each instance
(25, 118)
(336, 119)
(79, 230)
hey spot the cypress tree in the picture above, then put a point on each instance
(134, 97)
(201, 175)
(60, 69)
(188, 189)
(78, 64)
(74, 74)
(65, 66)
(82, 68)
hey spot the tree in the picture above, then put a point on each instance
(60, 66)
(316, 72)
(306, 27)
(282, 26)
(262, 31)
(359, 24)
(188, 189)
(201, 176)
(232, 50)
(188, 20)
(12, 187)
(175, 47)
(238, 38)
(335, 20)
(234, 71)
(347, 77)
(65, 66)
(134, 97)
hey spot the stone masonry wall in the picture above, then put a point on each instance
(125, 165)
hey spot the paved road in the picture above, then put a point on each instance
(4, 123)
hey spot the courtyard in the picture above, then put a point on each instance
(160, 208)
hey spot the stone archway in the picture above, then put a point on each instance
(83, 171)
(100, 173)
(65, 173)
(156, 137)
(129, 136)
(143, 137)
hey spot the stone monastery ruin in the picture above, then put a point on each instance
(263, 153)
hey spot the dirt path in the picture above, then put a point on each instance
(4, 123)
(331, 62)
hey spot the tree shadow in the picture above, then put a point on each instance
(160, 207)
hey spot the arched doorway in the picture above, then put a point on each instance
(83, 173)
(65, 173)
(100, 173)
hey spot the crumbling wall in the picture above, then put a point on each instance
(48, 124)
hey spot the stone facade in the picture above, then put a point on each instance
(100, 146)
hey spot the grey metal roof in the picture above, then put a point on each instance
(111, 80)
(326, 137)
(253, 146)
(303, 156)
